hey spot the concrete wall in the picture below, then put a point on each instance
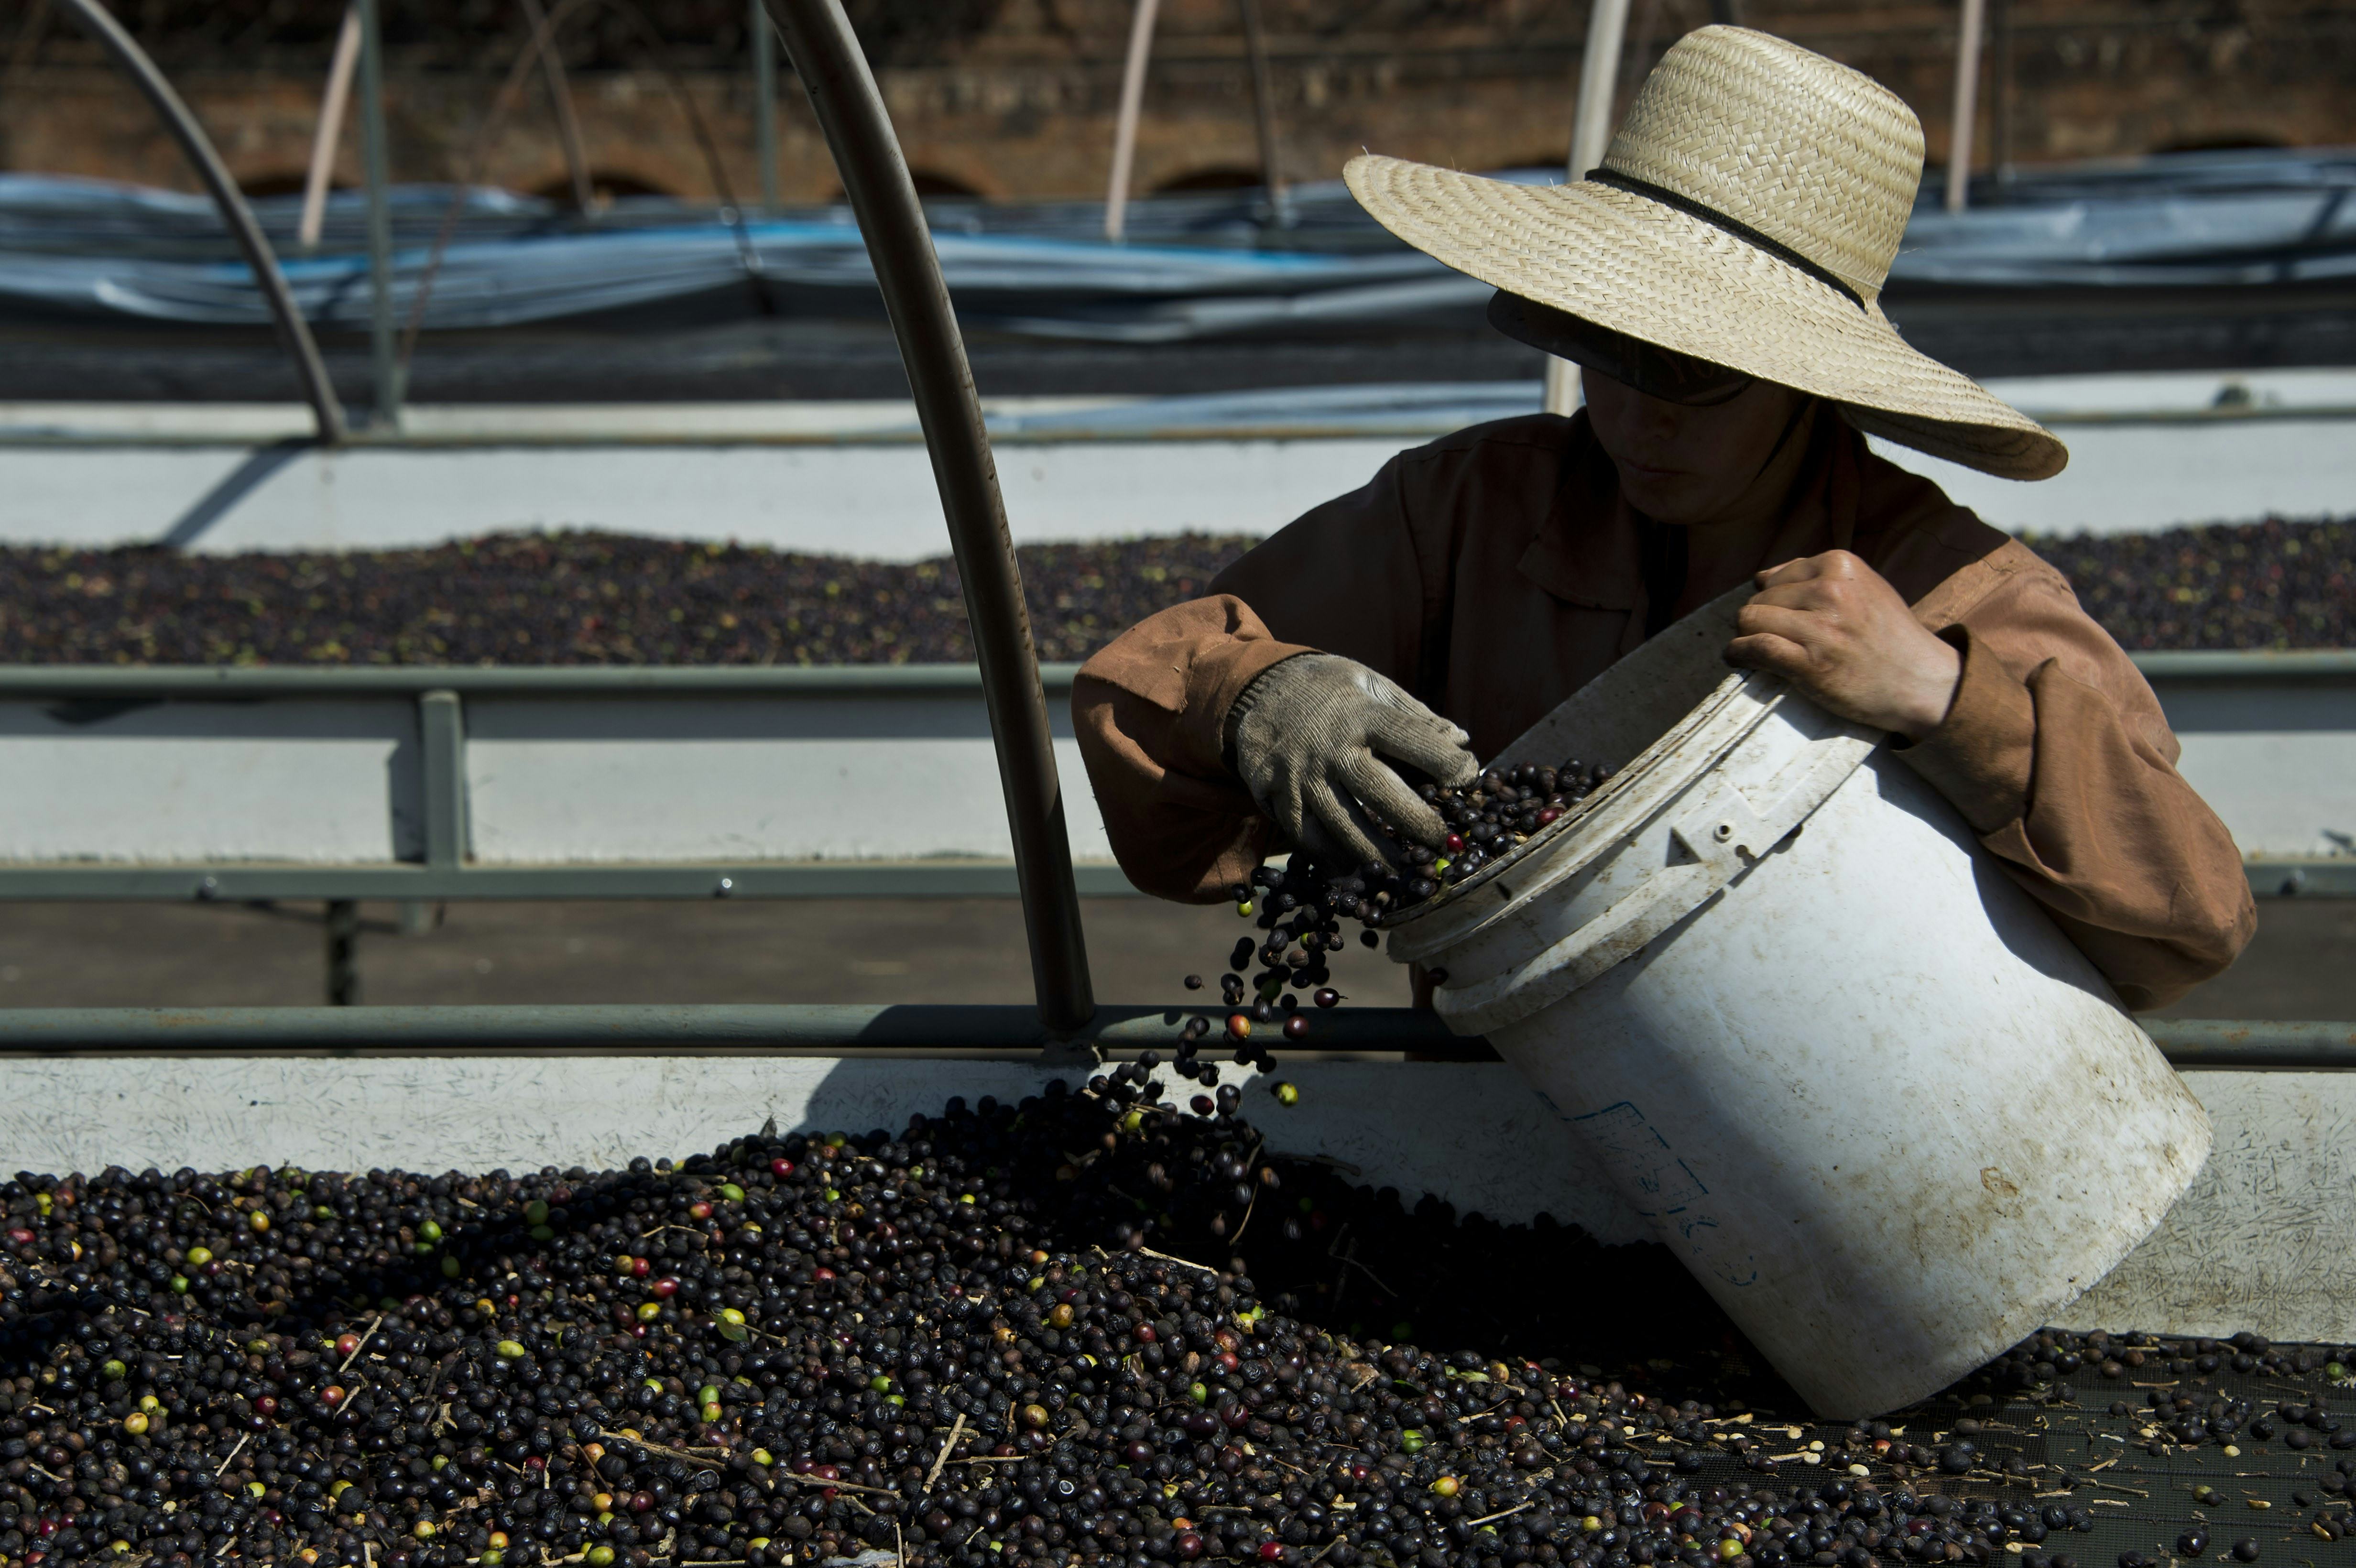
(1025, 109)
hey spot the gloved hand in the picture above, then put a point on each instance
(1309, 736)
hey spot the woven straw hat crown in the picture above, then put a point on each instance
(1746, 214)
(1822, 158)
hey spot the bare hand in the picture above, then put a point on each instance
(1835, 628)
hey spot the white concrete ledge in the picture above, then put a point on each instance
(848, 478)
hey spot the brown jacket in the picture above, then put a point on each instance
(1495, 571)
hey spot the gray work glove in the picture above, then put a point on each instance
(1309, 736)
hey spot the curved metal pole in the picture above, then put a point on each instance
(293, 330)
(867, 154)
(560, 103)
(1263, 91)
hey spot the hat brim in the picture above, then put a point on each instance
(1645, 269)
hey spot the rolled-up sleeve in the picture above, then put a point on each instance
(1149, 709)
(2057, 753)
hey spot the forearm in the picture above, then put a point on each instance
(1148, 712)
(2093, 822)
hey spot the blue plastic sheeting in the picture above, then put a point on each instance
(1040, 287)
(1196, 267)
(2198, 220)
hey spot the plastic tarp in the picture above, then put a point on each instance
(2192, 220)
(1196, 267)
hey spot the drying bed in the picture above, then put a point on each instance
(1090, 1328)
(590, 598)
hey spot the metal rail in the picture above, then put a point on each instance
(460, 882)
(842, 91)
(327, 414)
(2249, 664)
(245, 683)
(465, 882)
(1405, 430)
(387, 372)
(999, 1028)
(2190, 1045)
(2241, 1044)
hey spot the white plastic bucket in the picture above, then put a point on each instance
(1882, 1108)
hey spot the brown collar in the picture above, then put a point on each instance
(1586, 551)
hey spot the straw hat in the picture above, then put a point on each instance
(1746, 214)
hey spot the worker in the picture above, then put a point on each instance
(1717, 281)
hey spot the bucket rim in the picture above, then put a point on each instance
(1624, 786)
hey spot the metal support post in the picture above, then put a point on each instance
(293, 332)
(875, 177)
(1967, 96)
(28, 46)
(343, 924)
(384, 364)
(1591, 132)
(764, 105)
(442, 754)
(1272, 165)
(334, 104)
(2000, 110)
(1124, 125)
(560, 105)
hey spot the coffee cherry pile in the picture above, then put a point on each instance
(2279, 583)
(598, 598)
(566, 599)
(1023, 1335)
(1497, 811)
